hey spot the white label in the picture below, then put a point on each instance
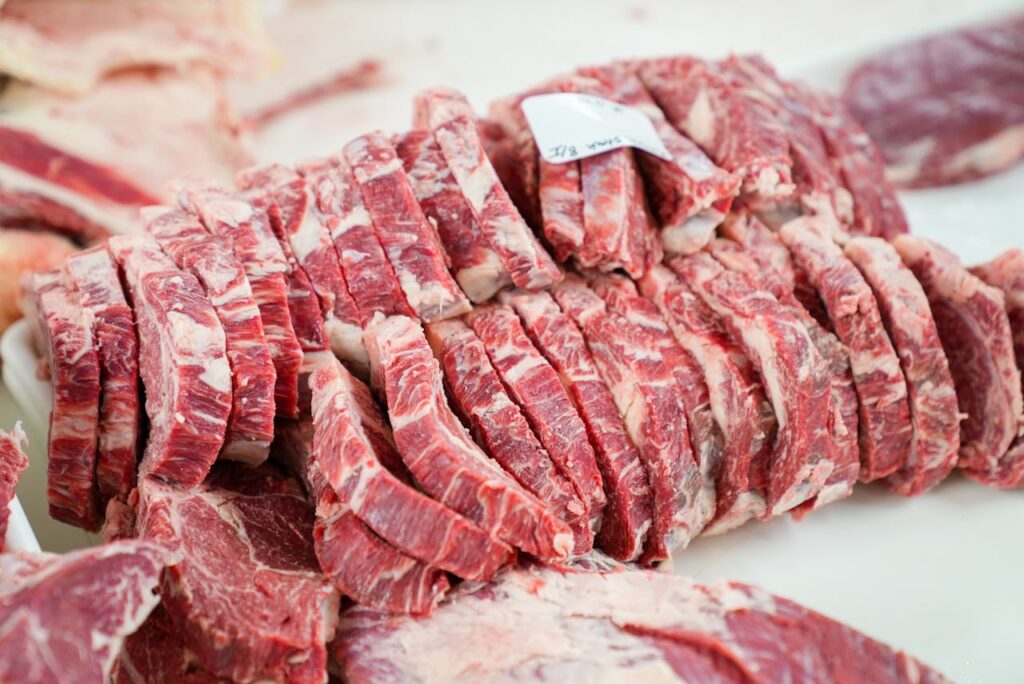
(570, 126)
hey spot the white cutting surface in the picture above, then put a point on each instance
(938, 576)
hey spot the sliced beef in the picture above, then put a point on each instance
(64, 337)
(410, 240)
(643, 387)
(500, 426)
(511, 149)
(95, 279)
(948, 108)
(250, 427)
(247, 228)
(475, 264)
(403, 516)
(64, 618)
(737, 399)
(246, 593)
(371, 279)
(13, 462)
(570, 625)
(441, 455)
(182, 362)
(706, 441)
(562, 207)
(535, 387)
(450, 119)
(1006, 272)
(795, 377)
(975, 333)
(628, 514)
(885, 428)
(731, 123)
(930, 389)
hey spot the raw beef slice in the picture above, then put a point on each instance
(13, 462)
(1006, 272)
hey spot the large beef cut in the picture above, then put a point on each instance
(13, 462)
(574, 626)
(64, 618)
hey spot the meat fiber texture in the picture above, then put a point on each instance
(440, 453)
(568, 625)
(975, 333)
(156, 654)
(948, 108)
(1006, 272)
(250, 426)
(65, 618)
(182, 363)
(13, 462)
(64, 335)
(247, 595)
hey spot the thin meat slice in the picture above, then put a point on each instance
(562, 207)
(628, 514)
(409, 239)
(731, 124)
(441, 455)
(737, 398)
(291, 208)
(248, 230)
(975, 333)
(450, 119)
(371, 279)
(500, 426)
(930, 389)
(65, 618)
(1006, 272)
(474, 263)
(643, 387)
(13, 462)
(182, 363)
(794, 376)
(706, 440)
(354, 560)
(95, 279)
(885, 428)
(246, 592)
(409, 520)
(65, 339)
(250, 426)
(534, 385)
(510, 147)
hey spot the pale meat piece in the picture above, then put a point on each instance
(1006, 272)
(948, 108)
(291, 205)
(930, 389)
(706, 440)
(250, 426)
(729, 122)
(643, 387)
(475, 265)
(22, 251)
(409, 520)
(579, 626)
(690, 194)
(885, 428)
(371, 279)
(65, 618)
(13, 462)
(356, 561)
(182, 362)
(737, 399)
(247, 229)
(64, 338)
(450, 119)
(246, 590)
(64, 46)
(409, 239)
(500, 426)
(628, 514)
(440, 453)
(975, 333)
(795, 377)
(536, 388)
(94, 277)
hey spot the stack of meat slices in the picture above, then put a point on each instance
(439, 394)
